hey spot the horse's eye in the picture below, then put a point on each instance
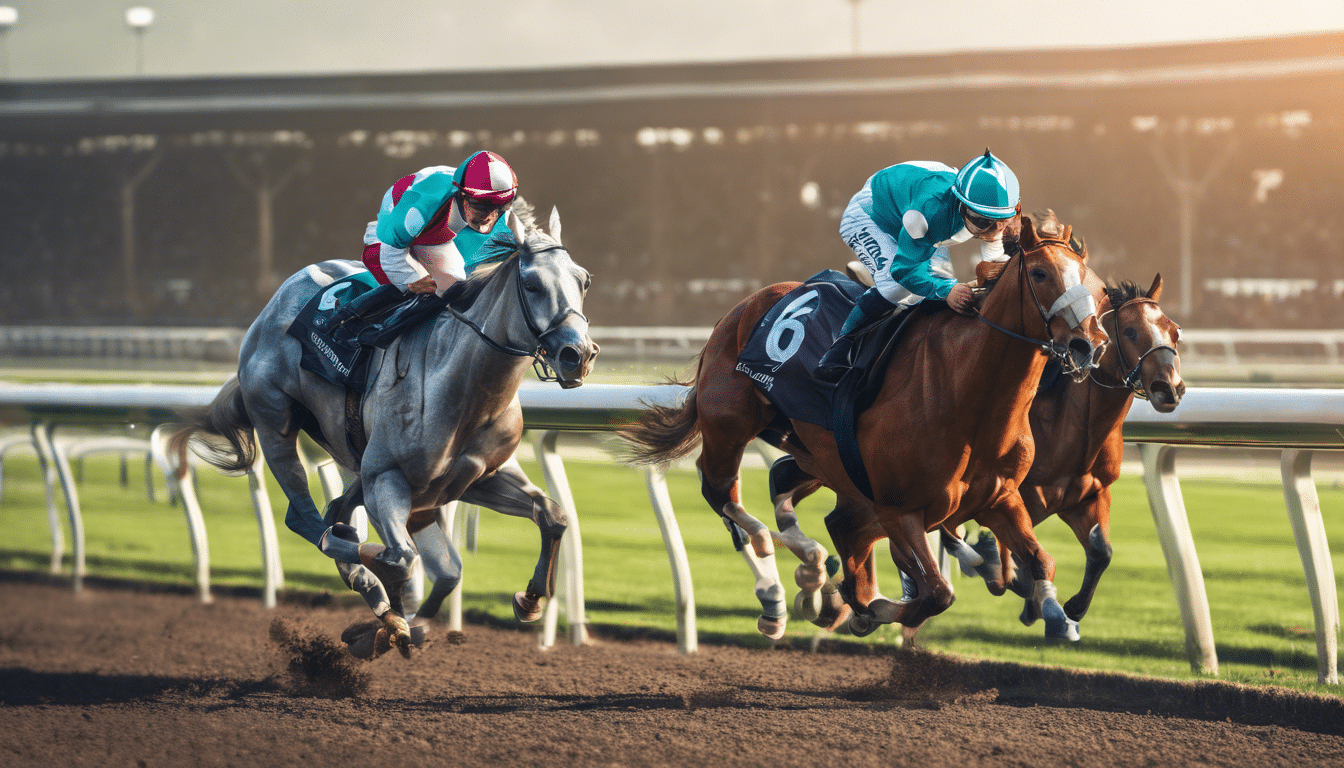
(1177, 337)
(1131, 334)
(531, 283)
(1038, 275)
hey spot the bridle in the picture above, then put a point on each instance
(1133, 380)
(539, 364)
(1072, 300)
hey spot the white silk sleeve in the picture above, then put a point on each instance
(397, 263)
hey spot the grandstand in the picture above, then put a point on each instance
(183, 202)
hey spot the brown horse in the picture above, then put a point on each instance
(952, 407)
(1078, 431)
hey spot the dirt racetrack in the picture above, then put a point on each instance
(134, 678)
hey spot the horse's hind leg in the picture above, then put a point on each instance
(721, 486)
(789, 485)
(273, 416)
(442, 563)
(509, 491)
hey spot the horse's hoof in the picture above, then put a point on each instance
(399, 632)
(807, 605)
(862, 626)
(771, 627)
(526, 608)
(1057, 625)
(366, 639)
(419, 633)
(1029, 613)
(885, 611)
(809, 578)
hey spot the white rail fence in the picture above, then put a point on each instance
(1298, 422)
(1212, 345)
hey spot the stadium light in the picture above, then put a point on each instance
(138, 18)
(9, 16)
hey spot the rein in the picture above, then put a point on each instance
(1066, 300)
(1132, 381)
(539, 364)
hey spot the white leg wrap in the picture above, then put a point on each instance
(1044, 589)
(965, 555)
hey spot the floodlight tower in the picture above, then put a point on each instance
(138, 18)
(9, 16)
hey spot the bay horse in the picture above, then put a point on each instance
(1078, 430)
(439, 421)
(952, 407)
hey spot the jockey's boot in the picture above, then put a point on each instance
(346, 323)
(871, 307)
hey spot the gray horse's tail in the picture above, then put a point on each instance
(663, 434)
(224, 418)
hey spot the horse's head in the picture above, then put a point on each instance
(1144, 352)
(1055, 281)
(551, 288)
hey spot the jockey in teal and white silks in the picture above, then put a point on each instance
(430, 229)
(900, 226)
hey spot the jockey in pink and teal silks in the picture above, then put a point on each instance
(900, 226)
(430, 229)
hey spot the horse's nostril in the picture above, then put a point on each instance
(569, 359)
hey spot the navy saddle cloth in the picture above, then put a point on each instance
(787, 343)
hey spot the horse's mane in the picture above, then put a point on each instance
(1127, 290)
(499, 249)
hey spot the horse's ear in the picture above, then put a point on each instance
(1155, 292)
(555, 225)
(1079, 246)
(515, 225)
(1028, 233)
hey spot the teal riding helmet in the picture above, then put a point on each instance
(988, 187)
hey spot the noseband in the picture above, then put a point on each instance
(539, 364)
(1132, 380)
(1069, 301)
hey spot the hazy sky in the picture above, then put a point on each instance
(65, 39)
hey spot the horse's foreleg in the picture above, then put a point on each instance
(854, 535)
(509, 491)
(789, 485)
(910, 551)
(1091, 523)
(1010, 521)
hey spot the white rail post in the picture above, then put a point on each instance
(1178, 545)
(47, 467)
(1304, 512)
(687, 637)
(449, 519)
(571, 546)
(191, 507)
(44, 434)
(270, 545)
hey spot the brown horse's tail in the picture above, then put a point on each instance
(224, 418)
(663, 435)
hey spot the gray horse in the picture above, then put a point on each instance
(439, 422)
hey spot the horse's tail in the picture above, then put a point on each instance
(663, 435)
(225, 418)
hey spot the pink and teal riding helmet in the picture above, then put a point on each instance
(988, 187)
